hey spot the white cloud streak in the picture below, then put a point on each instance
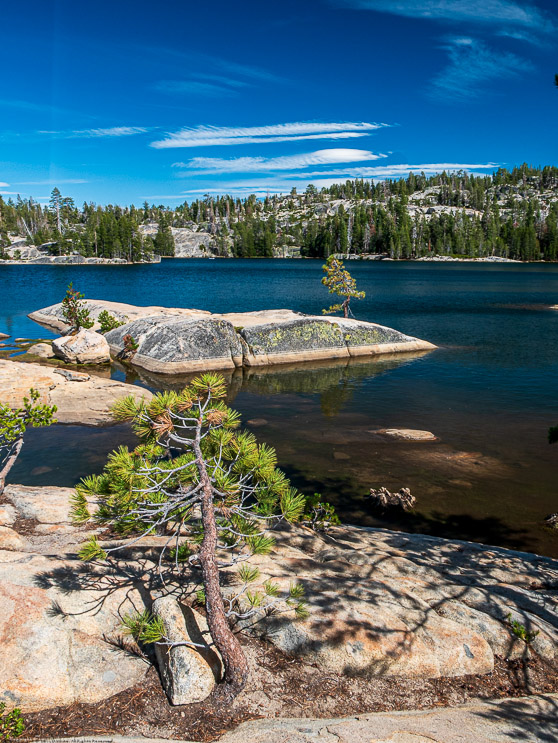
(471, 65)
(261, 186)
(52, 181)
(209, 136)
(395, 171)
(209, 165)
(505, 12)
(113, 131)
(4, 185)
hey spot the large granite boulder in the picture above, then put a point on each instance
(171, 343)
(53, 650)
(310, 338)
(175, 345)
(41, 350)
(85, 347)
(87, 401)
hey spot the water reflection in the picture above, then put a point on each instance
(485, 478)
(334, 380)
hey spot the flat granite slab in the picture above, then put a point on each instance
(523, 720)
(79, 397)
(173, 340)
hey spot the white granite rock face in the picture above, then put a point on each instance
(85, 347)
(42, 350)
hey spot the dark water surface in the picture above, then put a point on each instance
(489, 392)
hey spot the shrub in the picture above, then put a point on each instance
(108, 322)
(11, 724)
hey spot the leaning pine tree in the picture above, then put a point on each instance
(211, 490)
(339, 281)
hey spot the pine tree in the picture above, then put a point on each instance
(212, 499)
(339, 281)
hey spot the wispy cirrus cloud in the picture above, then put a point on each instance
(395, 171)
(101, 133)
(4, 185)
(286, 181)
(198, 88)
(471, 65)
(208, 165)
(502, 12)
(210, 136)
(52, 181)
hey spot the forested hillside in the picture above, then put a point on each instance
(511, 214)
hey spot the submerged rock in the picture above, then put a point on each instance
(406, 434)
(85, 347)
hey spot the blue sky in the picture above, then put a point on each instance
(125, 101)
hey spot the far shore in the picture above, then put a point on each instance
(81, 261)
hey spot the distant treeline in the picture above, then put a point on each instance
(510, 214)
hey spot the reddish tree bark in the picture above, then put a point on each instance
(226, 642)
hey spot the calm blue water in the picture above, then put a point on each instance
(490, 392)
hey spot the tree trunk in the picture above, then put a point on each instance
(236, 666)
(345, 306)
(10, 461)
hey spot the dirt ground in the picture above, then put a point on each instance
(282, 686)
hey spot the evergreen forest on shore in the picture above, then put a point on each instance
(510, 214)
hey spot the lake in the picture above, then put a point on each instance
(490, 392)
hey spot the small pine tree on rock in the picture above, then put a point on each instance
(339, 281)
(74, 311)
(211, 490)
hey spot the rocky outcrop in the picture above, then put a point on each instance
(188, 673)
(54, 260)
(41, 350)
(308, 338)
(87, 401)
(386, 604)
(190, 244)
(175, 345)
(171, 343)
(381, 604)
(85, 347)
(22, 252)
